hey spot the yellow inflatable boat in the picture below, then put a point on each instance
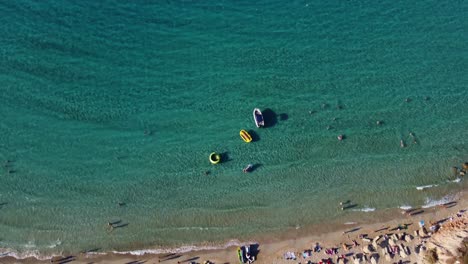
(245, 136)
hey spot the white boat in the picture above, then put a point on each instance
(258, 117)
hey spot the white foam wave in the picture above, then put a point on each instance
(405, 207)
(30, 251)
(95, 253)
(365, 209)
(456, 180)
(192, 228)
(420, 188)
(5, 252)
(183, 249)
(350, 223)
(55, 244)
(431, 203)
(30, 244)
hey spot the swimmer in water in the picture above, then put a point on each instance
(248, 168)
(110, 227)
(414, 138)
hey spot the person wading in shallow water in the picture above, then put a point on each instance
(110, 227)
(248, 168)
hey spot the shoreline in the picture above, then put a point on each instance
(271, 248)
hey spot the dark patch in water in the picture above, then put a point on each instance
(283, 117)
(270, 117)
(255, 136)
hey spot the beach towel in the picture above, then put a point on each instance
(290, 255)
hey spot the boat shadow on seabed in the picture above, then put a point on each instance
(225, 157)
(254, 135)
(271, 118)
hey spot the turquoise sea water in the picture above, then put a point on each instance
(108, 101)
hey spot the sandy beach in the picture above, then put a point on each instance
(442, 239)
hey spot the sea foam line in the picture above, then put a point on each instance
(365, 209)
(431, 203)
(405, 207)
(182, 249)
(456, 180)
(420, 188)
(6, 252)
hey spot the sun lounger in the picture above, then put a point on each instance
(345, 246)
(403, 250)
(366, 250)
(402, 247)
(387, 250)
(357, 261)
(289, 255)
(408, 238)
(388, 257)
(423, 231)
(417, 248)
(422, 251)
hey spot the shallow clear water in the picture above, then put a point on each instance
(114, 102)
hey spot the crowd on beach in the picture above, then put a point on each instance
(384, 245)
(412, 242)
